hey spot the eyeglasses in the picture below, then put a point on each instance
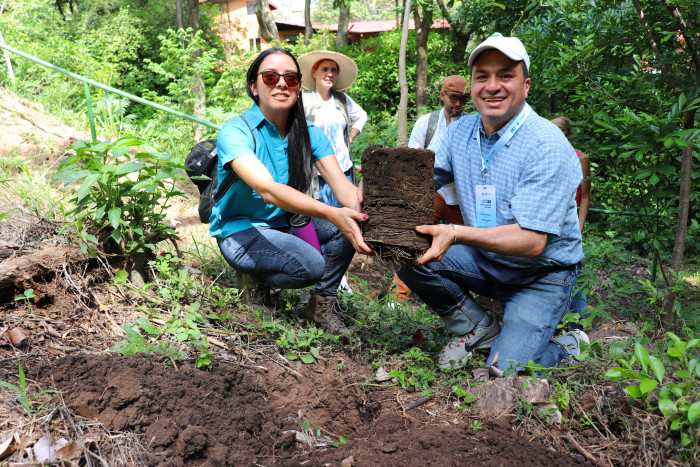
(462, 98)
(271, 78)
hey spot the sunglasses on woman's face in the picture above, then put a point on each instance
(271, 78)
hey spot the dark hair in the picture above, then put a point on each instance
(300, 155)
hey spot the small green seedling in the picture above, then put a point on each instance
(477, 425)
(28, 295)
(22, 396)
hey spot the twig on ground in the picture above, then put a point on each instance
(417, 402)
(580, 449)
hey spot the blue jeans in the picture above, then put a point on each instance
(279, 259)
(531, 312)
(326, 195)
(578, 305)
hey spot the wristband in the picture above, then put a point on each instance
(454, 232)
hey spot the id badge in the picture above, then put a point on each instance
(485, 206)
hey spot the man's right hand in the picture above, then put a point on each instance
(443, 239)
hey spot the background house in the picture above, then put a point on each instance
(238, 25)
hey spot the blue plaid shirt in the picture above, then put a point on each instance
(535, 174)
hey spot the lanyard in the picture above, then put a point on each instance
(503, 140)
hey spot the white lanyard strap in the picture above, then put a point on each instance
(507, 135)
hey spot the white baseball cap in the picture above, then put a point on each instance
(511, 47)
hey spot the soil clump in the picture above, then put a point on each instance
(398, 196)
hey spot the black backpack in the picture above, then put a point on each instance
(201, 163)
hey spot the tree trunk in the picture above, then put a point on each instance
(199, 91)
(682, 222)
(402, 136)
(422, 32)
(178, 14)
(461, 32)
(193, 15)
(307, 22)
(266, 23)
(343, 22)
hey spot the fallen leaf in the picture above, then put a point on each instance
(17, 337)
(9, 446)
(70, 452)
(381, 375)
(45, 449)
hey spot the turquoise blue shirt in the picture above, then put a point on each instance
(242, 207)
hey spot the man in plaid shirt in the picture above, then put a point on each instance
(515, 175)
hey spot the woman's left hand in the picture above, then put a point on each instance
(346, 220)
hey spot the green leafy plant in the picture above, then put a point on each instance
(301, 345)
(677, 397)
(463, 395)
(22, 395)
(121, 201)
(477, 425)
(27, 296)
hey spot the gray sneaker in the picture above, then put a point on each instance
(456, 353)
(571, 342)
(322, 311)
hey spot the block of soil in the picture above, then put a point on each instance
(398, 196)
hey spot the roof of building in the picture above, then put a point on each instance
(364, 27)
(272, 5)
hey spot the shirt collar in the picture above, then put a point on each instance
(254, 116)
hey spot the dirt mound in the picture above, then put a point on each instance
(237, 415)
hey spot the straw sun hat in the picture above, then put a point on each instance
(346, 76)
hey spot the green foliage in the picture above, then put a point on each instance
(463, 395)
(22, 394)
(121, 202)
(668, 382)
(301, 346)
(176, 314)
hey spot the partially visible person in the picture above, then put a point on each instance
(583, 201)
(515, 174)
(324, 75)
(272, 150)
(425, 134)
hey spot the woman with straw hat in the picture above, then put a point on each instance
(324, 75)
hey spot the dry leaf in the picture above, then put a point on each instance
(17, 337)
(381, 375)
(70, 452)
(9, 446)
(45, 449)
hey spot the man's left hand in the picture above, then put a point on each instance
(443, 239)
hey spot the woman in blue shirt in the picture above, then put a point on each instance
(272, 151)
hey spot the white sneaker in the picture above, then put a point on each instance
(344, 286)
(571, 342)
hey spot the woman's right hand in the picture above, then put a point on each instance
(346, 220)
